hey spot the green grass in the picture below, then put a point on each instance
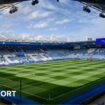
(54, 82)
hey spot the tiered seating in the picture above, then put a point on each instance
(25, 57)
(58, 54)
(3, 62)
(92, 53)
(99, 54)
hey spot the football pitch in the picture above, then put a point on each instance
(53, 82)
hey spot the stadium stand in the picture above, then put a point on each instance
(24, 53)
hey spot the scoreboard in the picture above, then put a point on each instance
(100, 41)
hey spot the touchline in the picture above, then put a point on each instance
(4, 93)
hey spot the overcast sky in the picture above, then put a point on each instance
(51, 20)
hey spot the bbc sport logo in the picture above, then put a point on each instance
(7, 93)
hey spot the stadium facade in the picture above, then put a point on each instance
(18, 53)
